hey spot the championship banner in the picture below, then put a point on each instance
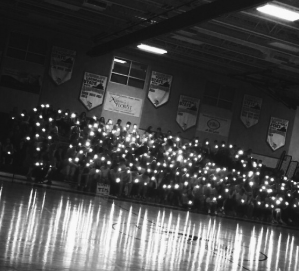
(159, 89)
(93, 90)
(251, 110)
(62, 63)
(21, 80)
(187, 112)
(123, 104)
(277, 133)
(213, 124)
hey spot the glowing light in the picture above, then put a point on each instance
(279, 12)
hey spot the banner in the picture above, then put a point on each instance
(251, 110)
(92, 90)
(159, 89)
(103, 189)
(187, 112)
(62, 63)
(213, 124)
(277, 133)
(123, 104)
(21, 80)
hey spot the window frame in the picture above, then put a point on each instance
(128, 76)
(27, 51)
(218, 98)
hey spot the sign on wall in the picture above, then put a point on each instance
(21, 80)
(103, 189)
(251, 110)
(277, 133)
(61, 65)
(93, 90)
(187, 112)
(159, 88)
(123, 104)
(213, 124)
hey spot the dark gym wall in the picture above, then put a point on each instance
(187, 80)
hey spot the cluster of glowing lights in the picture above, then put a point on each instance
(209, 174)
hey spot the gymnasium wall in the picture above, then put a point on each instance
(187, 80)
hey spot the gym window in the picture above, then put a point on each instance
(127, 72)
(27, 48)
(219, 95)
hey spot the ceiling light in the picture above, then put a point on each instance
(279, 12)
(119, 60)
(151, 49)
(285, 46)
(186, 39)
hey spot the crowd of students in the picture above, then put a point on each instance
(212, 177)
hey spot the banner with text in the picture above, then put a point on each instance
(103, 189)
(62, 63)
(123, 104)
(251, 110)
(21, 80)
(93, 90)
(277, 133)
(213, 124)
(187, 112)
(159, 88)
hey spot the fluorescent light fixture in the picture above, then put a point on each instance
(119, 60)
(279, 12)
(285, 46)
(186, 39)
(151, 49)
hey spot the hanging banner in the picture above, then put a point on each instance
(159, 89)
(93, 90)
(213, 124)
(123, 104)
(251, 110)
(62, 63)
(187, 112)
(21, 80)
(277, 133)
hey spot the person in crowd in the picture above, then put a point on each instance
(207, 176)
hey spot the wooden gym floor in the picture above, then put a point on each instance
(42, 229)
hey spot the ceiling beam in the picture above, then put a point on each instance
(197, 15)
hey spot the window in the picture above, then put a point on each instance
(127, 72)
(219, 96)
(27, 48)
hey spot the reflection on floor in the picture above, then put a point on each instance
(53, 230)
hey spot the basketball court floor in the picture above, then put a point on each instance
(43, 229)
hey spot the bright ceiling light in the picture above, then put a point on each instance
(151, 49)
(279, 12)
(119, 60)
